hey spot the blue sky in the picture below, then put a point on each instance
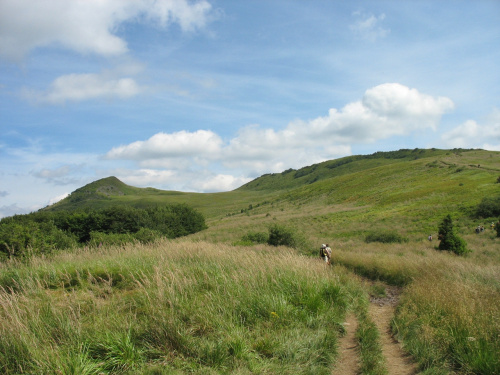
(207, 95)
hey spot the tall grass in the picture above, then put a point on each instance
(448, 313)
(172, 306)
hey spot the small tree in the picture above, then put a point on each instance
(497, 227)
(449, 240)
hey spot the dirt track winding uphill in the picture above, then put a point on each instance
(348, 349)
(381, 311)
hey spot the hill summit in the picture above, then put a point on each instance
(103, 189)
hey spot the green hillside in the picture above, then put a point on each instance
(407, 189)
(221, 300)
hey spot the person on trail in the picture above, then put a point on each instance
(430, 237)
(325, 253)
(328, 252)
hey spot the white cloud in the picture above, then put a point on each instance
(87, 26)
(386, 110)
(58, 198)
(367, 26)
(223, 182)
(471, 134)
(80, 87)
(162, 146)
(59, 175)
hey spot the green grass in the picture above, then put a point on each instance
(182, 306)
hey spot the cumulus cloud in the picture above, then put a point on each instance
(472, 134)
(88, 26)
(368, 27)
(384, 111)
(79, 87)
(162, 147)
(58, 198)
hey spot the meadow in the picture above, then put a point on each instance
(215, 302)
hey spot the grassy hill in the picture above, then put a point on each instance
(211, 303)
(405, 191)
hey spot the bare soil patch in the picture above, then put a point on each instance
(348, 363)
(381, 311)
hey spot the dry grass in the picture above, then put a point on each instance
(172, 306)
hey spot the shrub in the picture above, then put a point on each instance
(283, 236)
(98, 239)
(449, 240)
(489, 207)
(146, 235)
(255, 237)
(385, 237)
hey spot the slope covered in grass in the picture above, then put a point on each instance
(172, 307)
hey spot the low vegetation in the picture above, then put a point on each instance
(172, 307)
(43, 232)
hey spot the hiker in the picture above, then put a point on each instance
(430, 237)
(328, 252)
(324, 253)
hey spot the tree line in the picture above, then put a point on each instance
(42, 232)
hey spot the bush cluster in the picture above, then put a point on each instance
(489, 207)
(385, 237)
(278, 235)
(42, 232)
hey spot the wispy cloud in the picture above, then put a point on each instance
(368, 26)
(472, 134)
(81, 87)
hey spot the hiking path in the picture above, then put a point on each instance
(381, 311)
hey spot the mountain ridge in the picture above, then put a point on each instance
(382, 177)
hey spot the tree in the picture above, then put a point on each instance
(449, 240)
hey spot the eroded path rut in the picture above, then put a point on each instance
(381, 311)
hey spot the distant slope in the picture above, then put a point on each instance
(404, 184)
(292, 178)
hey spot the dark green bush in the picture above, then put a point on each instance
(489, 207)
(255, 237)
(385, 237)
(20, 237)
(449, 240)
(282, 236)
(42, 232)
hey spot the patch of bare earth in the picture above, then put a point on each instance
(381, 311)
(348, 363)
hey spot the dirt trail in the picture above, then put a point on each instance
(381, 311)
(348, 363)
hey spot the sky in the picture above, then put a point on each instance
(206, 95)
